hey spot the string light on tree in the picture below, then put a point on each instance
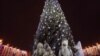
(53, 26)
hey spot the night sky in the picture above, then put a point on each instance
(19, 21)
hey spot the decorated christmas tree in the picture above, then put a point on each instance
(53, 27)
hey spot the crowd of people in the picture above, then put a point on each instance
(92, 50)
(6, 50)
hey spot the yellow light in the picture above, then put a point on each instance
(92, 50)
(1, 41)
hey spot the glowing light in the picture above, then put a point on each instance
(10, 51)
(92, 50)
(1, 41)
